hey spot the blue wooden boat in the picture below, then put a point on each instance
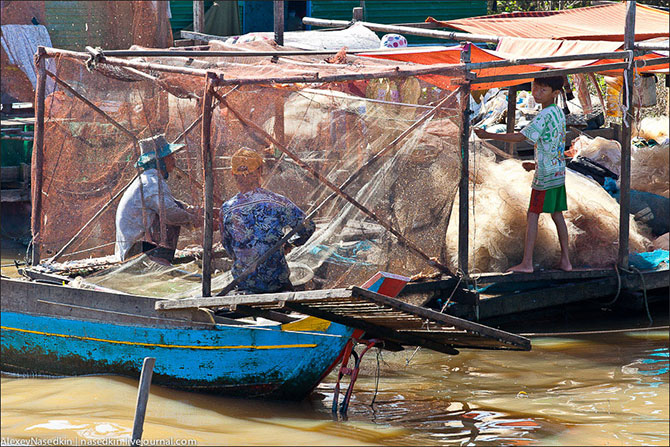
(59, 330)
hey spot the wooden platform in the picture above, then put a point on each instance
(379, 316)
(525, 292)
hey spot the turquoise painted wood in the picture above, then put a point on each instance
(233, 360)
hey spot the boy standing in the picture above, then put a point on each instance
(547, 132)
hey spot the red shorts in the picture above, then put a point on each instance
(550, 201)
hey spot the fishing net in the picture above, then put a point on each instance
(404, 179)
(500, 194)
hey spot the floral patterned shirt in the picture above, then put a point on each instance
(251, 223)
(547, 131)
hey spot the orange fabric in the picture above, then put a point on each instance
(604, 22)
(513, 48)
(452, 55)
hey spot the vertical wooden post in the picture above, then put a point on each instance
(198, 16)
(142, 399)
(511, 115)
(463, 215)
(357, 14)
(38, 156)
(627, 124)
(279, 124)
(279, 22)
(208, 186)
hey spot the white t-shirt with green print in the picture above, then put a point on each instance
(547, 132)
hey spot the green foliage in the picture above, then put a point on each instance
(552, 5)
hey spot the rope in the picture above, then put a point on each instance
(644, 293)
(89, 249)
(377, 374)
(460, 278)
(618, 288)
(418, 348)
(624, 104)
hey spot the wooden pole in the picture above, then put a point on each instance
(208, 188)
(448, 35)
(546, 59)
(409, 244)
(142, 399)
(279, 22)
(626, 128)
(198, 16)
(357, 14)
(392, 72)
(463, 200)
(38, 157)
(593, 79)
(511, 115)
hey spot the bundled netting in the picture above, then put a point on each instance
(499, 198)
(397, 156)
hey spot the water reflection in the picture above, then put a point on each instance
(601, 389)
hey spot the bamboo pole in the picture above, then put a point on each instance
(392, 72)
(547, 59)
(649, 46)
(252, 267)
(463, 187)
(38, 157)
(208, 187)
(626, 128)
(450, 70)
(53, 52)
(279, 22)
(567, 71)
(447, 35)
(409, 244)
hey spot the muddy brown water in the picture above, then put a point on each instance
(600, 389)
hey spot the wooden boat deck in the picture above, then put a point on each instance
(394, 321)
(522, 292)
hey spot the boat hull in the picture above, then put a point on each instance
(275, 362)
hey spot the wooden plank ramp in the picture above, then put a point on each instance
(380, 316)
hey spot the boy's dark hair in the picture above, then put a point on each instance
(555, 82)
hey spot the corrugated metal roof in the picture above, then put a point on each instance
(604, 22)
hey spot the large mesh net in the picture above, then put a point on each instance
(401, 158)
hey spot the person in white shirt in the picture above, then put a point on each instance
(160, 206)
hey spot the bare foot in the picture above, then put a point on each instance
(521, 268)
(565, 266)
